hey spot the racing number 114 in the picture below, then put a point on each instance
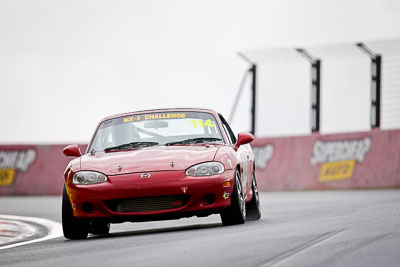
(200, 122)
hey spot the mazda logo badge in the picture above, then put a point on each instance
(145, 175)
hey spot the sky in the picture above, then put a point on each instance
(65, 65)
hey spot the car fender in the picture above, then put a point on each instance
(244, 158)
(231, 160)
(227, 156)
(72, 167)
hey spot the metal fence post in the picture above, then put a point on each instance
(376, 63)
(315, 116)
(253, 70)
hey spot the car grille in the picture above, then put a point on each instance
(147, 203)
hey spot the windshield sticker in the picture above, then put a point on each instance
(132, 118)
(200, 122)
(155, 117)
(165, 116)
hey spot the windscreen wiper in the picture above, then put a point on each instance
(195, 141)
(131, 145)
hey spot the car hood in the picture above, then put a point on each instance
(148, 159)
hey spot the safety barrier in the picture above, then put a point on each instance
(337, 161)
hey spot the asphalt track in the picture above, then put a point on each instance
(323, 228)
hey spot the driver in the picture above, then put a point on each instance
(124, 134)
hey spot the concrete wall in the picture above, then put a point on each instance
(32, 169)
(338, 161)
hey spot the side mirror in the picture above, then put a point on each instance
(72, 151)
(243, 138)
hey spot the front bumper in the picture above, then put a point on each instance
(203, 195)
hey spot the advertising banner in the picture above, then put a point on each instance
(337, 161)
(32, 169)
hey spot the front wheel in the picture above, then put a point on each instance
(73, 228)
(253, 209)
(236, 213)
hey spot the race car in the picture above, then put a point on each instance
(158, 165)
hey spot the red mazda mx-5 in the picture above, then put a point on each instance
(158, 165)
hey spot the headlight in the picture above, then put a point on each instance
(205, 169)
(88, 177)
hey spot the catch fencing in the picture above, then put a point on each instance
(328, 117)
(348, 78)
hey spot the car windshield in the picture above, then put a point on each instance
(158, 128)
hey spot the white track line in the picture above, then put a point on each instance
(54, 229)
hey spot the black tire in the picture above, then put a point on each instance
(236, 213)
(253, 209)
(73, 228)
(99, 228)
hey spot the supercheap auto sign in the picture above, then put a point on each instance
(334, 161)
(338, 158)
(13, 161)
(32, 169)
